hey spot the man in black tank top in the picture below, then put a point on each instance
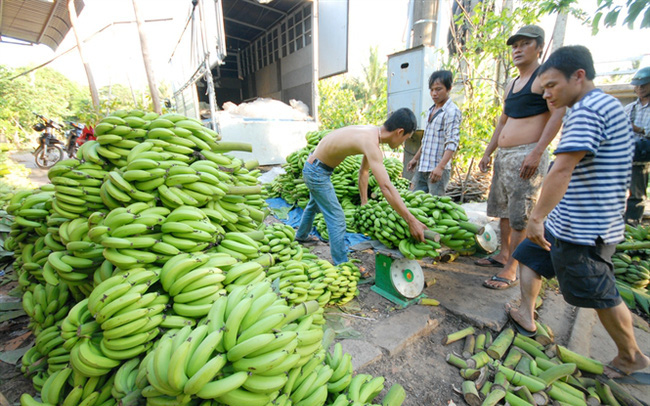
(520, 138)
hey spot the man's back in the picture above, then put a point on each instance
(346, 141)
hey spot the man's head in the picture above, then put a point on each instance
(641, 82)
(439, 86)
(401, 123)
(528, 39)
(567, 75)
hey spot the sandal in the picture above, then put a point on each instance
(507, 283)
(491, 263)
(520, 329)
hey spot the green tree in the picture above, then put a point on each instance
(43, 91)
(611, 11)
(347, 101)
(482, 64)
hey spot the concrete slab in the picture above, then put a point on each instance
(363, 352)
(459, 289)
(397, 331)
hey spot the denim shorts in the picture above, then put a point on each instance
(585, 272)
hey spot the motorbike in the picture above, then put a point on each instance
(76, 136)
(49, 150)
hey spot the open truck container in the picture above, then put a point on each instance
(241, 50)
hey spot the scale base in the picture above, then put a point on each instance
(401, 301)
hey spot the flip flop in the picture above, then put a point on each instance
(507, 283)
(520, 329)
(635, 378)
(492, 263)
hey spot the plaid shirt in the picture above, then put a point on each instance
(441, 133)
(639, 115)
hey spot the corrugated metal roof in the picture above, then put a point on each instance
(36, 21)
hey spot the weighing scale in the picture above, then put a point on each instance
(398, 279)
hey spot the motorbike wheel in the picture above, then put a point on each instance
(48, 156)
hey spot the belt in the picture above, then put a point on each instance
(317, 162)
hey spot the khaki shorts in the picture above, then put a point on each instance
(512, 197)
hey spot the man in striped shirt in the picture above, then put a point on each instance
(583, 196)
(441, 138)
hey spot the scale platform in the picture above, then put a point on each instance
(397, 278)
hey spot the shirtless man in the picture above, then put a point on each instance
(330, 152)
(523, 132)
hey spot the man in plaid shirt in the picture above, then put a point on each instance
(441, 138)
(639, 113)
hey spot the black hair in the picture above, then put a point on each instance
(443, 76)
(569, 59)
(403, 118)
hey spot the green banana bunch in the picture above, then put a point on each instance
(440, 214)
(307, 383)
(46, 305)
(341, 365)
(279, 241)
(77, 187)
(124, 387)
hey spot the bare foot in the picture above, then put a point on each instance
(520, 319)
(620, 367)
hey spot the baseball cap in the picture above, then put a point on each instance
(641, 77)
(530, 31)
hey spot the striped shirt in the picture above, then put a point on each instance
(594, 203)
(441, 133)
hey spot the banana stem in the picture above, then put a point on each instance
(458, 335)
(512, 359)
(470, 394)
(468, 347)
(478, 360)
(533, 383)
(529, 348)
(456, 361)
(515, 400)
(245, 190)
(500, 345)
(584, 363)
(557, 372)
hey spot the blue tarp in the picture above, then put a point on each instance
(291, 215)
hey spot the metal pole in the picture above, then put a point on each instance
(315, 97)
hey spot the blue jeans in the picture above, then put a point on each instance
(421, 182)
(323, 198)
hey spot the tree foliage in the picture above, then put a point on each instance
(348, 101)
(482, 65)
(608, 13)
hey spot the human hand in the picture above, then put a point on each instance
(411, 165)
(435, 175)
(530, 165)
(535, 233)
(484, 164)
(416, 227)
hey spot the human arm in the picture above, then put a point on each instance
(531, 162)
(375, 162)
(484, 163)
(363, 180)
(436, 173)
(553, 189)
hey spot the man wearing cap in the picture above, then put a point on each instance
(524, 130)
(639, 113)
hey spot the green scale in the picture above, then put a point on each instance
(398, 279)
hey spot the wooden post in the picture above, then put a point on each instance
(94, 94)
(153, 88)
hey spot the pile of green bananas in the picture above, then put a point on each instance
(346, 388)
(45, 305)
(632, 277)
(279, 241)
(315, 279)
(349, 209)
(14, 177)
(632, 267)
(440, 214)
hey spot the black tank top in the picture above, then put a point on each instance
(525, 103)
